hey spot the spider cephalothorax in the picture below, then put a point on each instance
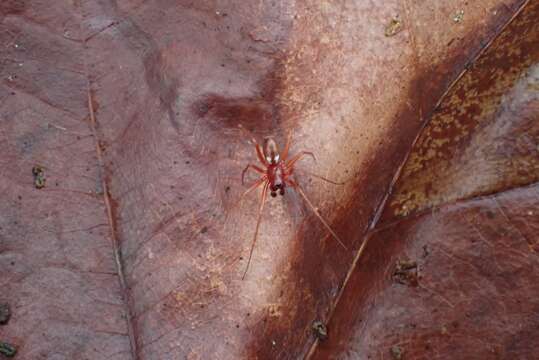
(271, 151)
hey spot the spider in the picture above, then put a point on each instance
(275, 177)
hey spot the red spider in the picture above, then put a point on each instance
(276, 177)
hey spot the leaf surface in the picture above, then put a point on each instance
(139, 114)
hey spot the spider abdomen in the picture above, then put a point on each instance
(276, 177)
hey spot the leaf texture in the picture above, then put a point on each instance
(124, 128)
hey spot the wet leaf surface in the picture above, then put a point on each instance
(121, 163)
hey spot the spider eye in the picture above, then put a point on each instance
(273, 194)
(282, 191)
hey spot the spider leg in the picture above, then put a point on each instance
(300, 191)
(291, 171)
(290, 163)
(284, 154)
(260, 154)
(248, 191)
(251, 166)
(262, 202)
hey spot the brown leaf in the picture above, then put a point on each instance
(128, 244)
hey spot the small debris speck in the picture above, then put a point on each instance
(393, 28)
(39, 177)
(7, 349)
(426, 251)
(204, 230)
(320, 330)
(5, 313)
(396, 352)
(459, 16)
(406, 273)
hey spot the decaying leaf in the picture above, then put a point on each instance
(125, 241)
